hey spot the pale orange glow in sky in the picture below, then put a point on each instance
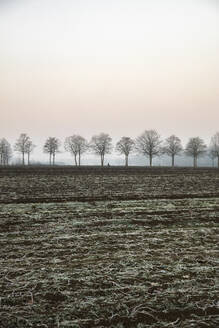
(115, 66)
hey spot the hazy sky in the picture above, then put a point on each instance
(118, 66)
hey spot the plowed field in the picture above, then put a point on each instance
(109, 248)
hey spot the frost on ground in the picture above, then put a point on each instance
(110, 263)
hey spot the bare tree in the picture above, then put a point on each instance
(148, 144)
(212, 158)
(29, 149)
(5, 152)
(76, 145)
(101, 145)
(172, 147)
(125, 146)
(51, 147)
(21, 145)
(195, 148)
(214, 147)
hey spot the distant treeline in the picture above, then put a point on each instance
(148, 144)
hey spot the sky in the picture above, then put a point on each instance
(120, 66)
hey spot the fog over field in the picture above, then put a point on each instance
(126, 91)
(120, 67)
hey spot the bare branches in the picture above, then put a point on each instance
(195, 148)
(76, 145)
(24, 146)
(51, 147)
(101, 145)
(29, 149)
(125, 146)
(148, 144)
(5, 152)
(172, 147)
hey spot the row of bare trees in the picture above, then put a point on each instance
(148, 144)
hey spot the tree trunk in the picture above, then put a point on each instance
(50, 159)
(126, 160)
(28, 158)
(102, 159)
(173, 160)
(23, 158)
(150, 160)
(76, 164)
(195, 161)
(53, 159)
(218, 161)
(79, 158)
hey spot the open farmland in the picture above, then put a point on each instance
(111, 247)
